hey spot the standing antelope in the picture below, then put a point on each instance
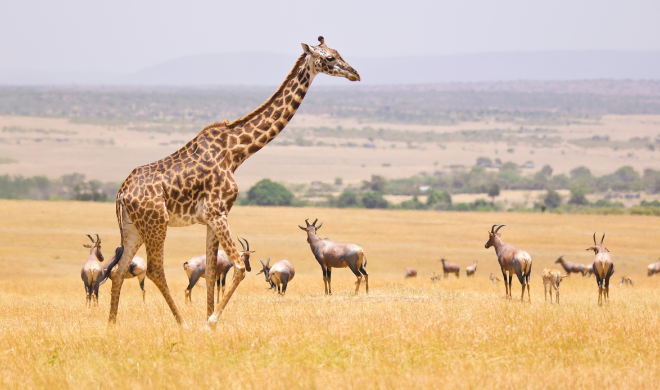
(603, 269)
(330, 255)
(471, 269)
(653, 269)
(196, 268)
(511, 260)
(626, 280)
(92, 273)
(571, 267)
(589, 269)
(410, 273)
(552, 277)
(279, 275)
(137, 268)
(493, 278)
(449, 268)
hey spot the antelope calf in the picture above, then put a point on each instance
(410, 273)
(92, 273)
(626, 280)
(450, 268)
(571, 267)
(653, 269)
(552, 277)
(470, 270)
(434, 277)
(603, 269)
(196, 268)
(330, 255)
(511, 260)
(137, 269)
(279, 275)
(493, 278)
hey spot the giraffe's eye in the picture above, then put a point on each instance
(331, 58)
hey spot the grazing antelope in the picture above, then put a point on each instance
(511, 260)
(653, 269)
(279, 275)
(493, 278)
(449, 268)
(330, 255)
(410, 273)
(589, 269)
(626, 280)
(434, 277)
(92, 273)
(471, 269)
(137, 269)
(552, 277)
(603, 269)
(196, 268)
(571, 267)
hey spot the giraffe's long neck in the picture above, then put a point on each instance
(261, 126)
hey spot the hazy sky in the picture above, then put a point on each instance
(124, 36)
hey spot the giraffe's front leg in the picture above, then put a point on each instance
(211, 264)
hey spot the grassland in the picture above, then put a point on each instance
(405, 334)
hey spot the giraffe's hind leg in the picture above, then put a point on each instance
(212, 244)
(132, 242)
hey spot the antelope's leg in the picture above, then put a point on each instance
(224, 278)
(221, 229)
(545, 292)
(97, 284)
(141, 280)
(212, 244)
(506, 288)
(510, 285)
(194, 278)
(325, 278)
(329, 273)
(132, 242)
(366, 277)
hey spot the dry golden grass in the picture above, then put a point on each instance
(406, 333)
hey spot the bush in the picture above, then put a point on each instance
(436, 197)
(413, 204)
(348, 199)
(494, 190)
(268, 193)
(374, 200)
(552, 199)
(578, 196)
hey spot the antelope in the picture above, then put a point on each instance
(653, 269)
(92, 273)
(471, 269)
(137, 268)
(511, 260)
(603, 269)
(493, 278)
(279, 275)
(571, 267)
(196, 268)
(410, 273)
(552, 277)
(449, 268)
(626, 280)
(589, 269)
(330, 255)
(434, 277)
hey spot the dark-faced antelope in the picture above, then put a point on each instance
(137, 269)
(410, 273)
(92, 273)
(279, 275)
(196, 268)
(653, 269)
(511, 260)
(626, 281)
(552, 277)
(471, 269)
(493, 278)
(603, 269)
(330, 255)
(571, 267)
(449, 268)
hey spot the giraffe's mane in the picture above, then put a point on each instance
(240, 121)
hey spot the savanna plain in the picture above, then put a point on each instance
(460, 333)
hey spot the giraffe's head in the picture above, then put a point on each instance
(328, 61)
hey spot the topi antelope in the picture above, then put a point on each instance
(137, 269)
(196, 268)
(92, 273)
(571, 267)
(330, 255)
(511, 260)
(626, 281)
(449, 268)
(470, 270)
(653, 269)
(279, 275)
(552, 277)
(493, 278)
(603, 269)
(410, 273)
(434, 277)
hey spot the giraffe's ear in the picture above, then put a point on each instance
(309, 50)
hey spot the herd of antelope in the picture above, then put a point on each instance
(344, 255)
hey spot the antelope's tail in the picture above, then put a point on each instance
(364, 258)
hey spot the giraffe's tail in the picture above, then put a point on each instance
(120, 216)
(115, 260)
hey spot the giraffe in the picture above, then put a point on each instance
(195, 185)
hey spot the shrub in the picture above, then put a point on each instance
(578, 196)
(374, 200)
(268, 193)
(552, 199)
(348, 199)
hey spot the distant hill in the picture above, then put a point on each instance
(253, 68)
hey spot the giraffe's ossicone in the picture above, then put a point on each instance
(195, 185)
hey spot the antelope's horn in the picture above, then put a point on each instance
(98, 239)
(268, 262)
(241, 242)
(246, 243)
(492, 229)
(262, 262)
(315, 221)
(595, 243)
(318, 227)
(499, 227)
(601, 240)
(307, 221)
(302, 227)
(90, 237)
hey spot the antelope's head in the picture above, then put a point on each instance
(493, 235)
(598, 248)
(328, 61)
(95, 247)
(246, 253)
(266, 271)
(311, 229)
(560, 259)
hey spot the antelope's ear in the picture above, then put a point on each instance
(87, 246)
(260, 272)
(305, 229)
(606, 249)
